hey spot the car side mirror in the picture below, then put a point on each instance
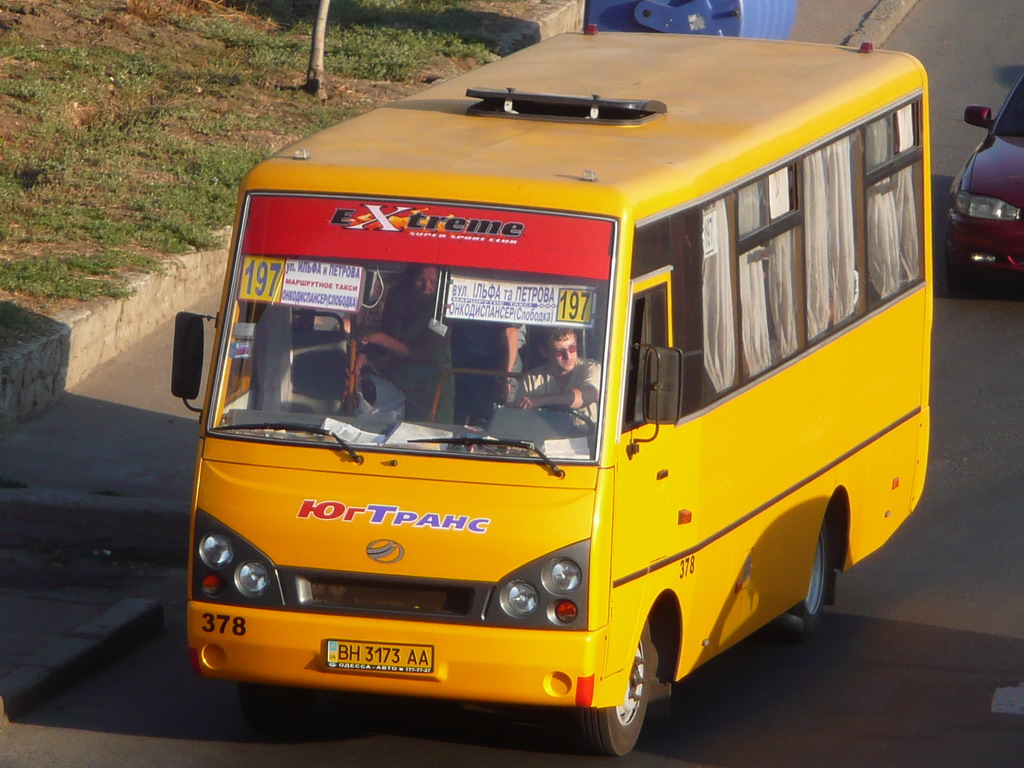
(979, 116)
(662, 384)
(187, 356)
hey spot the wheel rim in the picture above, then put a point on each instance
(816, 589)
(627, 711)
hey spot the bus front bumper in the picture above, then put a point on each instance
(401, 658)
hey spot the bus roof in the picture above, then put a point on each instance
(733, 107)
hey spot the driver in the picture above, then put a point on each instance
(565, 379)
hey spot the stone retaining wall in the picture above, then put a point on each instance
(34, 374)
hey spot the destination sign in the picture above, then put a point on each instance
(503, 301)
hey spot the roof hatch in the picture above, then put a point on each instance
(523, 105)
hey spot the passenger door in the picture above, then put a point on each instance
(652, 525)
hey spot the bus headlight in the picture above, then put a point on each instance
(229, 569)
(562, 577)
(519, 598)
(252, 578)
(549, 592)
(216, 550)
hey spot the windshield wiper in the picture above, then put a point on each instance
(524, 444)
(290, 427)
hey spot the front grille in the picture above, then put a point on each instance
(355, 595)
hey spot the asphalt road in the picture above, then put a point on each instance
(924, 634)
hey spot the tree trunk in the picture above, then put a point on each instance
(315, 74)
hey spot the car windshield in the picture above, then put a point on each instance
(1011, 116)
(417, 327)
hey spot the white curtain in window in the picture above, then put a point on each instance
(779, 201)
(719, 323)
(910, 245)
(768, 304)
(842, 253)
(829, 231)
(757, 351)
(884, 238)
(905, 138)
(816, 231)
(750, 208)
(894, 242)
(781, 298)
(878, 142)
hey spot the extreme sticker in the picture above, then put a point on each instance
(390, 515)
(333, 228)
(407, 218)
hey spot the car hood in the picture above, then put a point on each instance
(997, 169)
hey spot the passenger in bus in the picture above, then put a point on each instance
(413, 351)
(565, 379)
(484, 346)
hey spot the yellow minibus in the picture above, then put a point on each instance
(553, 381)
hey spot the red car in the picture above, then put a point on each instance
(986, 229)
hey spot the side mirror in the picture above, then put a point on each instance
(187, 356)
(662, 384)
(979, 116)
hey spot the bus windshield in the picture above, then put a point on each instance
(417, 327)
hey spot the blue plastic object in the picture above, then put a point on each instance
(772, 19)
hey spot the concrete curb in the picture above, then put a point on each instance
(880, 22)
(69, 659)
(546, 19)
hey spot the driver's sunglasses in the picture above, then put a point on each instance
(564, 352)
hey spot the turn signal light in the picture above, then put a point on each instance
(566, 611)
(213, 584)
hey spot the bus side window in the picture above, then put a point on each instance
(832, 276)
(719, 318)
(894, 185)
(649, 325)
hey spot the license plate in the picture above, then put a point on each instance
(370, 656)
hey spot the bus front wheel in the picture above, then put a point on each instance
(615, 730)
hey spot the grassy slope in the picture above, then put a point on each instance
(125, 125)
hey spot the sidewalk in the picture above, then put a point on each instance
(81, 584)
(94, 549)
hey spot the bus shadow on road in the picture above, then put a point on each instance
(93, 446)
(864, 692)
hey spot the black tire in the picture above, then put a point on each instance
(277, 712)
(801, 621)
(615, 730)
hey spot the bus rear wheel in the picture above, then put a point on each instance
(615, 730)
(802, 620)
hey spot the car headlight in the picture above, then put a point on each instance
(216, 550)
(519, 598)
(984, 207)
(252, 578)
